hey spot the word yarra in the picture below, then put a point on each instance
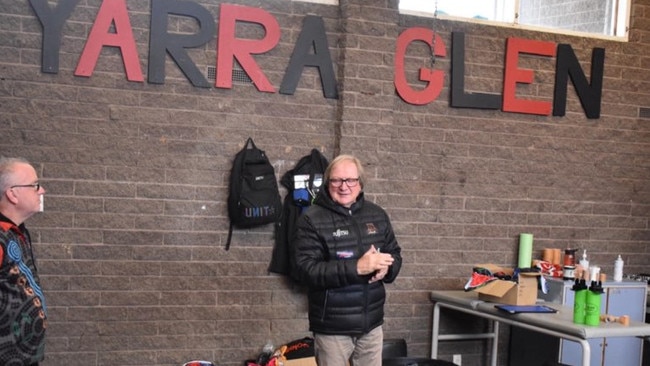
(112, 28)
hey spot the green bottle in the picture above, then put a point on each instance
(592, 308)
(580, 299)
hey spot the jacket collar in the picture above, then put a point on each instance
(324, 199)
(6, 224)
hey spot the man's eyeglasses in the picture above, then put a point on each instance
(36, 186)
(350, 182)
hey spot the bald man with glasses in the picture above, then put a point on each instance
(344, 252)
(22, 304)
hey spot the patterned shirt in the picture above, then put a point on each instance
(22, 304)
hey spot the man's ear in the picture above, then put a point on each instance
(11, 196)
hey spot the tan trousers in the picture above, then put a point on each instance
(335, 350)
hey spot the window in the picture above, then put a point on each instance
(327, 2)
(604, 18)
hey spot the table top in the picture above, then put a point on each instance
(562, 321)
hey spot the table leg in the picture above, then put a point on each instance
(435, 331)
(495, 342)
(586, 352)
(436, 337)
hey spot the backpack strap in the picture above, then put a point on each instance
(249, 145)
(229, 237)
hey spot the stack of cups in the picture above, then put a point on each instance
(547, 255)
(551, 255)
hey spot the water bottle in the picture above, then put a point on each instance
(618, 269)
(580, 298)
(592, 308)
(584, 263)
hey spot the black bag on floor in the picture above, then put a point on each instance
(254, 198)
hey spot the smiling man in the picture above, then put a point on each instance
(22, 304)
(345, 250)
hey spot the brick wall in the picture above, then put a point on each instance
(131, 244)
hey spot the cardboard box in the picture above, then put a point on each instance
(509, 292)
(305, 361)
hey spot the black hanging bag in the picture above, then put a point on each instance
(254, 198)
(303, 183)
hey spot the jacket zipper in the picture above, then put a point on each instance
(357, 230)
(327, 295)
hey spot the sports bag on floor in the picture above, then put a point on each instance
(254, 198)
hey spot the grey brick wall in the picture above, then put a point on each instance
(131, 244)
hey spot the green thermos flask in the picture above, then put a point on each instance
(592, 308)
(580, 299)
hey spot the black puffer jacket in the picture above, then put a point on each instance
(328, 243)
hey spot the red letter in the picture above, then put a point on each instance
(241, 49)
(111, 12)
(435, 79)
(513, 75)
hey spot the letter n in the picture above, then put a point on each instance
(590, 94)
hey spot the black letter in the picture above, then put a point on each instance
(52, 21)
(458, 97)
(312, 35)
(568, 65)
(160, 41)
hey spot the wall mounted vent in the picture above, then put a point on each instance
(238, 75)
(644, 112)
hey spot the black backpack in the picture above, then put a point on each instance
(254, 199)
(303, 183)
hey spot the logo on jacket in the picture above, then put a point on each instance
(346, 254)
(371, 229)
(339, 233)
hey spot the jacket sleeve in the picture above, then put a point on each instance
(392, 247)
(312, 262)
(280, 260)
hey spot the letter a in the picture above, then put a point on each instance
(312, 36)
(111, 12)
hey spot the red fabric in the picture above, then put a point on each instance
(477, 280)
